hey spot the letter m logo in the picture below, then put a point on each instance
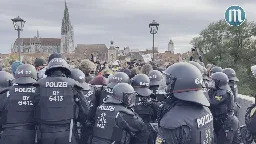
(235, 15)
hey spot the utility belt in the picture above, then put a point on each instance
(125, 138)
(19, 127)
(53, 128)
(44, 128)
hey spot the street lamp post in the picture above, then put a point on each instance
(153, 30)
(18, 24)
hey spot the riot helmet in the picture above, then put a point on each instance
(140, 84)
(196, 64)
(184, 81)
(155, 77)
(219, 80)
(58, 64)
(231, 74)
(215, 69)
(5, 80)
(110, 78)
(79, 76)
(39, 62)
(25, 74)
(119, 77)
(123, 93)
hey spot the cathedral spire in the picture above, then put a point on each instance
(65, 20)
(67, 33)
(37, 34)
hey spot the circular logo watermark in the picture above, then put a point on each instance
(235, 15)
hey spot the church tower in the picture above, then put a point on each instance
(67, 33)
(171, 46)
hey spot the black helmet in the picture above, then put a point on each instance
(231, 74)
(155, 77)
(197, 65)
(219, 80)
(119, 77)
(123, 93)
(5, 80)
(140, 84)
(185, 82)
(39, 62)
(58, 63)
(216, 69)
(25, 74)
(79, 76)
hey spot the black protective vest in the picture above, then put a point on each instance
(105, 93)
(145, 111)
(105, 126)
(19, 109)
(89, 96)
(222, 102)
(197, 117)
(56, 103)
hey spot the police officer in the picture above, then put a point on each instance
(18, 111)
(249, 133)
(85, 131)
(116, 122)
(156, 77)
(58, 99)
(232, 83)
(118, 77)
(145, 107)
(185, 117)
(226, 124)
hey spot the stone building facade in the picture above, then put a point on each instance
(37, 44)
(112, 52)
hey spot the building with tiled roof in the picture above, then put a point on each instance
(37, 44)
(99, 51)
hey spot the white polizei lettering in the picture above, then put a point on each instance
(144, 84)
(56, 84)
(57, 60)
(88, 94)
(204, 120)
(107, 108)
(117, 78)
(28, 90)
(25, 98)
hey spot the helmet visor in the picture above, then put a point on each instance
(129, 99)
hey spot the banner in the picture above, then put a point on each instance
(147, 58)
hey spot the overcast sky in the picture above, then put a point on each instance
(124, 21)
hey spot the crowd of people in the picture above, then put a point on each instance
(53, 102)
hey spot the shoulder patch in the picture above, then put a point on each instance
(252, 111)
(218, 98)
